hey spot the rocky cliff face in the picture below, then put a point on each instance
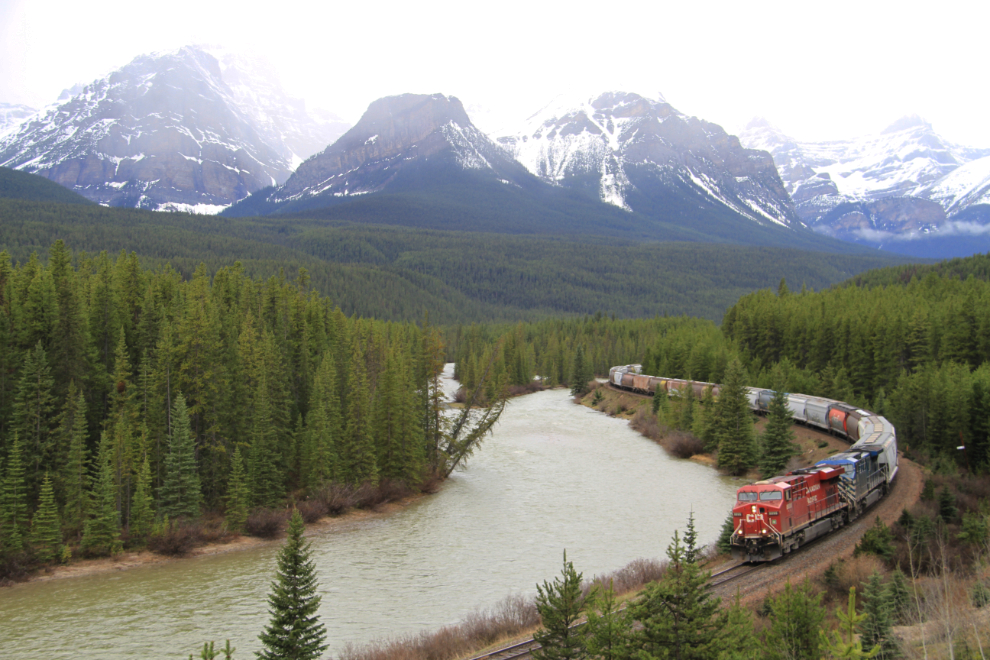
(165, 132)
(906, 160)
(396, 133)
(11, 116)
(628, 149)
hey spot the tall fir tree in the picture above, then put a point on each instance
(323, 430)
(76, 482)
(14, 509)
(101, 533)
(843, 643)
(679, 616)
(46, 531)
(264, 472)
(559, 604)
(33, 413)
(607, 629)
(777, 447)
(735, 432)
(294, 630)
(358, 451)
(796, 616)
(181, 494)
(877, 629)
(581, 372)
(142, 507)
(738, 640)
(238, 494)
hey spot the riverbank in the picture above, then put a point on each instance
(143, 557)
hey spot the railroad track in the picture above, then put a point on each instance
(525, 648)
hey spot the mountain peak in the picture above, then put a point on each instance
(905, 123)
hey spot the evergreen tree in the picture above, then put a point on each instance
(295, 631)
(238, 494)
(358, 456)
(264, 475)
(181, 494)
(681, 619)
(877, 628)
(143, 507)
(14, 509)
(607, 628)
(735, 432)
(738, 640)
(46, 532)
(691, 551)
(724, 542)
(323, 425)
(712, 423)
(796, 616)
(101, 534)
(843, 643)
(581, 373)
(898, 595)
(75, 478)
(33, 411)
(559, 604)
(778, 436)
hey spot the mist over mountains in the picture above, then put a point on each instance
(205, 130)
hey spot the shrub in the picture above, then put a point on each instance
(174, 538)
(684, 445)
(311, 510)
(266, 523)
(877, 540)
(335, 498)
(980, 595)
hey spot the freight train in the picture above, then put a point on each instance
(776, 516)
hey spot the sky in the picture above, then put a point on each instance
(817, 71)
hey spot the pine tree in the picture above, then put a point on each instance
(877, 628)
(238, 494)
(680, 617)
(181, 494)
(295, 631)
(33, 411)
(14, 509)
(358, 455)
(738, 640)
(101, 534)
(843, 643)
(778, 436)
(143, 507)
(691, 551)
(264, 473)
(898, 595)
(724, 542)
(323, 425)
(735, 432)
(796, 616)
(76, 481)
(559, 604)
(607, 629)
(46, 532)
(581, 373)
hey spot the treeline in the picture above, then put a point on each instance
(394, 273)
(128, 396)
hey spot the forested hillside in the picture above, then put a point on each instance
(399, 274)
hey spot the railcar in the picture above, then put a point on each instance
(774, 517)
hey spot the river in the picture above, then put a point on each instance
(553, 476)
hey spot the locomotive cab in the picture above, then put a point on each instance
(760, 519)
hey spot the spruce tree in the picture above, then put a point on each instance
(143, 507)
(33, 412)
(101, 533)
(295, 631)
(796, 616)
(679, 616)
(46, 531)
(581, 373)
(264, 475)
(843, 644)
(738, 640)
(560, 604)
(724, 543)
(76, 481)
(735, 432)
(323, 426)
(898, 596)
(14, 509)
(778, 436)
(607, 629)
(358, 455)
(877, 628)
(238, 494)
(181, 494)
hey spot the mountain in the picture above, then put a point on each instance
(637, 153)
(169, 132)
(34, 188)
(11, 115)
(905, 184)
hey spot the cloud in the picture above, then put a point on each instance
(949, 228)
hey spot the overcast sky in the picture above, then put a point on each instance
(833, 70)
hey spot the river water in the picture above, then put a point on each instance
(553, 476)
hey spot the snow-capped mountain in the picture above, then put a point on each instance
(169, 132)
(635, 153)
(906, 160)
(394, 134)
(11, 116)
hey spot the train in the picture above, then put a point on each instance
(776, 516)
